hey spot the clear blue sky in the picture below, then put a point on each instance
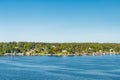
(60, 20)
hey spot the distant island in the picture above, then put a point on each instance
(58, 49)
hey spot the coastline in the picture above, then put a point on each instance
(58, 49)
(80, 54)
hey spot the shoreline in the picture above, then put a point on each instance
(60, 55)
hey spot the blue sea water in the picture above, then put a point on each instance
(60, 68)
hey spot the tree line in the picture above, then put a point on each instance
(57, 48)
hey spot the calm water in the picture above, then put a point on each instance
(60, 68)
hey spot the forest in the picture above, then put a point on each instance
(41, 48)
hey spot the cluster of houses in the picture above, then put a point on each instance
(63, 53)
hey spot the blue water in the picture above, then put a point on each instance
(60, 68)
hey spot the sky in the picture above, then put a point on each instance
(60, 20)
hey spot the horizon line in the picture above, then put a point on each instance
(58, 42)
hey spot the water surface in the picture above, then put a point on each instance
(60, 68)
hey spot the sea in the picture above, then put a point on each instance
(60, 68)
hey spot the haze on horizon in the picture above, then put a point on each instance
(60, 20)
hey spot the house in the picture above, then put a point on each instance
(64, 51)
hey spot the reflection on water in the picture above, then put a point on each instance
(60, 68)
